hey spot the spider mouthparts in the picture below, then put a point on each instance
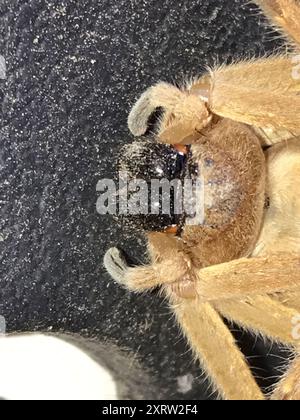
(181, 148)
(171, 229)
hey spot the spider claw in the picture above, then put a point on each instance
(116, 265)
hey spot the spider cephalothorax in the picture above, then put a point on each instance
(242, 261)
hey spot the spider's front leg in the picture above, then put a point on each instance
(184, 113)
(285, 14)
(210, 339)
(239, 279)
(242, 92)
(170, 264)
(233, 280)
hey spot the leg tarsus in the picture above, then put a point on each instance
(136, 279)
(116, 265)
(185, 113)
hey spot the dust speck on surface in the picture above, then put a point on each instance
(185, 383)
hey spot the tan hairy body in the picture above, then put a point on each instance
(243, 263)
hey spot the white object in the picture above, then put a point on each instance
(37, 367)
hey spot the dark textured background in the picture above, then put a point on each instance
(74, 68)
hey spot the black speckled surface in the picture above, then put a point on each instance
(74, 68)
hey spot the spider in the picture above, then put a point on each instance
(241, 123)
